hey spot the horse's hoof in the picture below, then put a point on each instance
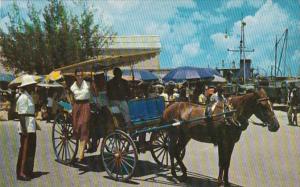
(226, 183)
(220, 182)
(182, 178)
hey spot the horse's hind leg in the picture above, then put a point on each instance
(172, 150)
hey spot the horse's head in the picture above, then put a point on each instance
(264, 111)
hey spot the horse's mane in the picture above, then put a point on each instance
(186, 103)
(238, 100)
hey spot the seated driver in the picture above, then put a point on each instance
(118, 93)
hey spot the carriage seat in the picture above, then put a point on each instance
(145, 110)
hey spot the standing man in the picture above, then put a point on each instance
(81, 111)
(118, 93)
(27, 129)
(292, 102)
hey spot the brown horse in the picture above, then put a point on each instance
(218, 130)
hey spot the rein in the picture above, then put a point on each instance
(262, 99)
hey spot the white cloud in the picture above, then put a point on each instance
(158, 29)
(296, 56)
(185, 55)
(191, 49)
(223, 43)
(178, 60)
(208, 17)
(196, 16)
(231, 4)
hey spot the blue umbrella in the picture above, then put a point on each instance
(139, 74)
(189, 73)
(6, 77)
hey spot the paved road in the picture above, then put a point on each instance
(260, 158)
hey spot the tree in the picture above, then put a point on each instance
(59, 39)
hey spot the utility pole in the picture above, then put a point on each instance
(242, 49)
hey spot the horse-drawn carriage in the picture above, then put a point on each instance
(170, 130)
(120, 144)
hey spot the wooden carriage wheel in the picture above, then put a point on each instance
(160, 149)
(119, 155)
(65, 148)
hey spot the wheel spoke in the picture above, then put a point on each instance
(73, 141)
(68, 150)
(128, 164)
(108, 150)
(157, 149)
(58, 144)
(159, 140)
(60, 149)
(59, 125)
(160, 153)
(58, 138)
(163, 158)
(58, 132)
(72, 149)
(118, 171)
(63, 150)
(162, 136)
(124, 166)
(114, 165)
(110, 142)
(128, 158)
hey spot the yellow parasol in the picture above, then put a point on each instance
(54, 76)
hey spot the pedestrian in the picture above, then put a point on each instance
(81, 111)
(292, 103)
(27, 129)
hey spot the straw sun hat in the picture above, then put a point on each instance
(27, 80)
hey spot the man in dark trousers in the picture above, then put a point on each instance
(118, 93)
(27, 129)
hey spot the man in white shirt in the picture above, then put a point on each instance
(27, 129)
(81, 111)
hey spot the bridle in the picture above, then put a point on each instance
(242, 119)
(262, 114)
(262, 99)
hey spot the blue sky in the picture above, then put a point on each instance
(192, 32)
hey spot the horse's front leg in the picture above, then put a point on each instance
(221, 163)
(228, 154)
(182, 142)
